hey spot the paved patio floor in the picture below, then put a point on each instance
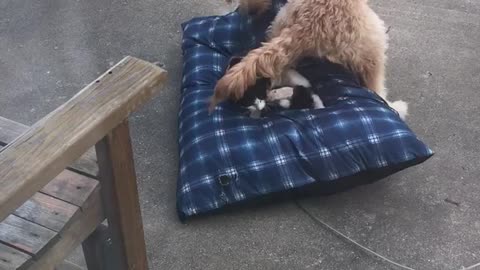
(49, 49)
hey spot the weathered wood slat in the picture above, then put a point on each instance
(10, 130)
(73, 223)
(56, 141)
(120, 198)
(24, 235)
(47, 211)
(78, 229)
(11, 258)
(71, 187)
(86, 164)
(66, 265)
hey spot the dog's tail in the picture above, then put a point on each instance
(253, 7)
(268, 61)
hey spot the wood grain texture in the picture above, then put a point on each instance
(73, 234)
(66, 265)
(120, 197)
(11, 258)
(24, 235)
(56, 141)
(54, 213)
(86, 164)
(10, 130)
(71, 187)
(47, 211)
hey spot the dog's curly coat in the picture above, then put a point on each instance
(347, 32)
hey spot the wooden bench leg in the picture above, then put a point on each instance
(120, 198)
(93, 248)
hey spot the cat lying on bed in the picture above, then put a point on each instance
(291, 91)
(297, 97)
(296, 91)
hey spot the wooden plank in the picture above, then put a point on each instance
(24, 235)
(71, 187)
(47, 211)
(11, 258)
(10, 130)
(120, 197)
(56, 141)
(73, 234)
(66, 265)
(86, 164)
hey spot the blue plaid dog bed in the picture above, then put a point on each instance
(227, 158)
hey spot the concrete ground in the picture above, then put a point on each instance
(427, 217)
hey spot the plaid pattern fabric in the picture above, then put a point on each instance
(227, 157)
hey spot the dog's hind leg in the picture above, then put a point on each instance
(369, 65)
(268, 61)
(368, 62)
(279, 23)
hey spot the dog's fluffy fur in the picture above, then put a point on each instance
(347, 32)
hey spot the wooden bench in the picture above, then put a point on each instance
(54, 195)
